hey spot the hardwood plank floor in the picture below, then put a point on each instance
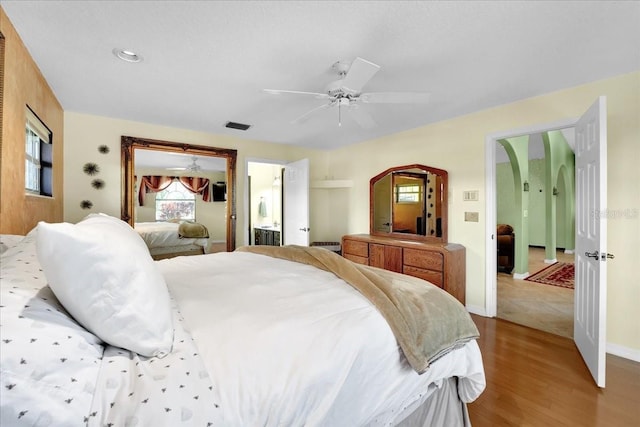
(535, 378)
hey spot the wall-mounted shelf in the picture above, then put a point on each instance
(332, 183)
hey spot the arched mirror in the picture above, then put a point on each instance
(214, 169)
(409, 202)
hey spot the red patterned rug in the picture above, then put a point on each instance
(558, 274)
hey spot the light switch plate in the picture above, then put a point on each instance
(470, 196)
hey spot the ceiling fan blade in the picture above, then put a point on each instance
(362, 117)
(395, 97)
(296, 92)
(360, 72)
(176, 169)
(306, 115)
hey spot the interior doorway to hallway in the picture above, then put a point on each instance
(528, 161)
(590, 231)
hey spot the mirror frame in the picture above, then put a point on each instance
(128, 145)
(444, 208)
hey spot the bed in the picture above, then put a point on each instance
(245, 338)
(165, 240)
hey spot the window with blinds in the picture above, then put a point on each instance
(38, 179)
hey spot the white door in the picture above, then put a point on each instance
(295, 219)
(589, 330)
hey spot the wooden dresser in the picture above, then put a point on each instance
(442, 264)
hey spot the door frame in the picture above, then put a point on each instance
(491, 290)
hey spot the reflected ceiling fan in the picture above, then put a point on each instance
(346, 93)
(193, 167)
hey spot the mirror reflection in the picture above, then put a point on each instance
(177, 196)
(409, 202)
(173, 189)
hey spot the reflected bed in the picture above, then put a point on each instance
(165, 241)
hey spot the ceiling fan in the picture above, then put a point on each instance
(193, 167)
(346, 92)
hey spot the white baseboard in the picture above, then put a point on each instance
(569, 251)
(625, 352)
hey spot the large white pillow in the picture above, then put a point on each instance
(101, 271)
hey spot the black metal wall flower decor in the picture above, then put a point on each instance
(103, 149)
(91, 168)
(86, 204)
(98, 184)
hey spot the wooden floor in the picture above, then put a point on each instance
(545, 307)
(535, 378)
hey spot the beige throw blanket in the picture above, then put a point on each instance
(426, 321)
(192, 230)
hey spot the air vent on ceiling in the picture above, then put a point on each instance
(235, 125)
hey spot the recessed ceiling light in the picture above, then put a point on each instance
(127, 55)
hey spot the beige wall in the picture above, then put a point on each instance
(85, 133)
(458, 145)
(24, 85)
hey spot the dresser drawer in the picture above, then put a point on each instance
(442, 264)
(356, 259)
(356, 248)
(423, 259)
(432, 276)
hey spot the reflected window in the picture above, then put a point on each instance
(175, 202)
(408, 193)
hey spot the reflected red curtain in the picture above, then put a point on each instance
(197, 185)
(152, 184)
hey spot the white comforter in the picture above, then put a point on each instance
(287, 344)
(258, 341)
(162, 234)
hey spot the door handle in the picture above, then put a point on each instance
(305, 229)
(601, 256)
(594, 255)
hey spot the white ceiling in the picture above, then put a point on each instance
(206, 63)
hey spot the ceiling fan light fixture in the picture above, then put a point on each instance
(127, 55)
(194, 167)
(347, 92)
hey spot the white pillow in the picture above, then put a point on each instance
(101, 271)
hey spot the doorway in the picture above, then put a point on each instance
(590, 230)
(534, 189)
(490, 308)
(264, 203)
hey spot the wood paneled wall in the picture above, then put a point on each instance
(23, 84)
